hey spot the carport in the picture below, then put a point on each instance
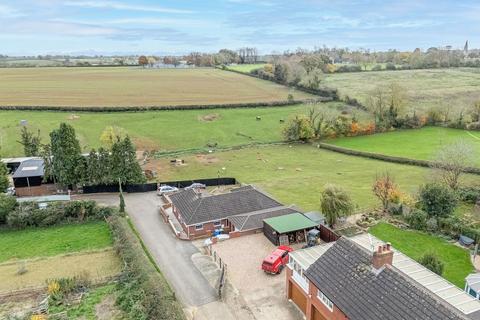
(287, 229)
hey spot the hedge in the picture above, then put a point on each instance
(383, 157)
(266, 104)
(330, 93)
(143, 291)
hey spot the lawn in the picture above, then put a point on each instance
(51, 241)
(414, 244)
(159, 130)
(430, 88)
(421, 144)
(247, 68)
(296, 174)
(131, 86)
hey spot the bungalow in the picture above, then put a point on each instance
(242, 210)
(346, 280)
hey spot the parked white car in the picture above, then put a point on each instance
(166, 190)
(196, 185)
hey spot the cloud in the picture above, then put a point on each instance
(122, 6)
(9, 12)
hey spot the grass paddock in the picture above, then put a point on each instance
(422, 144)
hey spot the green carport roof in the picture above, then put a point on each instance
(290, 222)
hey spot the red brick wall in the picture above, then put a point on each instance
(336, 314)
(313, 301)
(43, 190)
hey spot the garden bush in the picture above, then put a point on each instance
(431, 261)
(469, 194)
(437, 199)
(417, 219)
(7, 205)
(28, 214)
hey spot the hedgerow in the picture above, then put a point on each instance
(143, 291)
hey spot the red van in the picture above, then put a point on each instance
(276, 261)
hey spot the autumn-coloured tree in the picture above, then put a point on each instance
(110, 135)
(143, 61)
(384, 188)
(354, 128)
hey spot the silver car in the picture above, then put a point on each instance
(165, 190)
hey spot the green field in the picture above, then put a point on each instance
(298, 173)
(431, 88)
(51, 241)
(158, 130)
(422, 144)
(123, 87)
(247, 68)
(414, 244)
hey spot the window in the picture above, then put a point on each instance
(198, 226)
(217, 223)
(325, 300)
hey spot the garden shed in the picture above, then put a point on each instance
(287, 229)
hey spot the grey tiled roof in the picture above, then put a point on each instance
(197, 209)
(344, 274)
(30, 168)
(254, 220)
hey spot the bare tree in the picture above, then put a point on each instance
(451, 162)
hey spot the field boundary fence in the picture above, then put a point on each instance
(148, 187)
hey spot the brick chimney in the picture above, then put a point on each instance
(382, 256)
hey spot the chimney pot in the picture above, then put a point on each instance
(383, 256)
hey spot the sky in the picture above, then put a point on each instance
(31, 27)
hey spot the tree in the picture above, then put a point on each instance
(475, 112)
(312, 79)
(142, 61)
(125, 167)
(7, 205)
(30, 142)
(335, 203)
(298, 128)
(451, 162)
(4, 182)
(66, 156)
(437, 199)
(431, 261)
(111, 134)
(93, 172)
(384, 187)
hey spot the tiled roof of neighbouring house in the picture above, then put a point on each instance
(254, 220)
(345, 275)
(196, 208)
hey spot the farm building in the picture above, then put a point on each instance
(287, 229)
(28, 179)
(240, 211)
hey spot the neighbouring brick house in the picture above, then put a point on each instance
(345, 280)
(239, 211)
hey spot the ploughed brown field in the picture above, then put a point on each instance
(122, 87)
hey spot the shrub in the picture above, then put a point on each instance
(469, 194)
(7, 205)
(438, 200)
(417, 219)
(474, 126)
(377, 67)
(390, 66)
(28, 214)
(432, 224)
(298, 128)
(431, 261)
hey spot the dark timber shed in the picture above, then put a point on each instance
(290, 228)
